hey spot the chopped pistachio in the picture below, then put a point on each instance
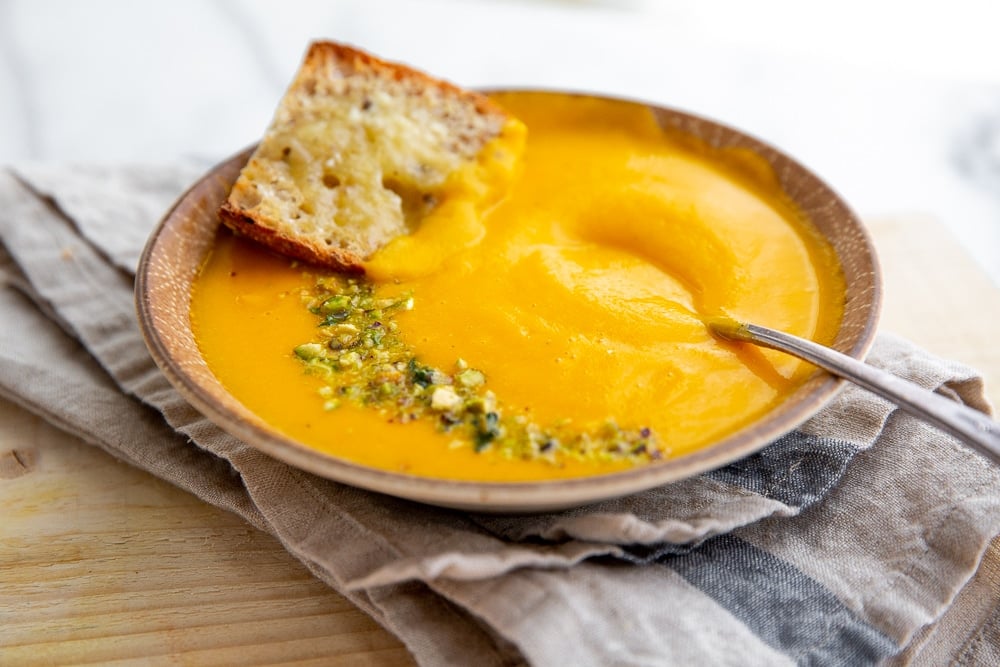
(346, 339)
(445, 398)
(470, 377)
(349, 359)
(308, 351)
(376, 336)
(361, 356)
(336, 304)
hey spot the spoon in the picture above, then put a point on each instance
(970, 426)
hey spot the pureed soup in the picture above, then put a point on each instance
(560, 334)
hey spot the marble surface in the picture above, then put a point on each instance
(896, 104)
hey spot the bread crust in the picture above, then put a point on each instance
(330, 59)
(320, 52)
(258, 229)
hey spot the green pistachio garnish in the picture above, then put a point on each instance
(361, 357)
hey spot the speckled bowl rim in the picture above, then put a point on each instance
(178, 246)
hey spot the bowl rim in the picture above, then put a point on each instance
(525, 496)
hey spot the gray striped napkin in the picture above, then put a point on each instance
(862, 537)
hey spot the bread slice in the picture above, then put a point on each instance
(357, 153)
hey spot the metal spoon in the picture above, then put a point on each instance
(970, 426)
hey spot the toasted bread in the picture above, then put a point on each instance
(356, 154)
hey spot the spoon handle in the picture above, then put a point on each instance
(970, 426)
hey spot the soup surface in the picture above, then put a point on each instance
(573, 308)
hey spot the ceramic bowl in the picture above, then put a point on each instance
(178, 246)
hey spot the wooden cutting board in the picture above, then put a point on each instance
(102, 563)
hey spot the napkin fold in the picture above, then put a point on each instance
(863, 536)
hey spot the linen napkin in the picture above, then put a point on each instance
(864, 536)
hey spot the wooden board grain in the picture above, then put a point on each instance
(101, 563)
(936, 296)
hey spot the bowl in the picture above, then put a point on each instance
(181, 242)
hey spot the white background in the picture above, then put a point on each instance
(896, 104)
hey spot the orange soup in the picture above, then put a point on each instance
(558, 332)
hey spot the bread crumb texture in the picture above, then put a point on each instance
(358, 152)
